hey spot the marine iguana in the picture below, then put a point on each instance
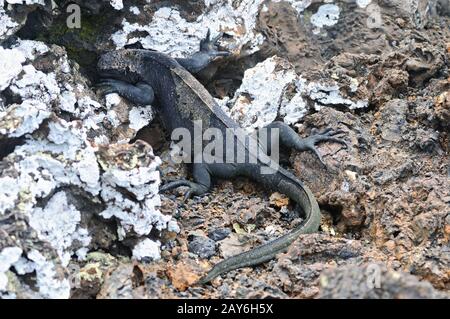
(148, 77)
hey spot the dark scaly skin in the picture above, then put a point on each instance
(149, 77)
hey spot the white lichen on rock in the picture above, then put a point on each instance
(293, 108)
(272, 89)
(67, 101)
(133, 172)
(262, 95)
(31, 48)
(112, 100)
(7, 24)
(135, 10)
(363, 3)
(49, 282)
(140, 117)
(329, 94)
(116, 4)
(36, 85)
(10, 66)
(299, 5)
(326, 16)
(147, 250)
(170, 33)
(172, 226)
(26, 2)
(8, 257)
(24, 118)
(43, 166)
(11, 19)
(58, 223)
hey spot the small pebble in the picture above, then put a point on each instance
(219, 234)
(204, 247)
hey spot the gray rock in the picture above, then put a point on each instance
(204, 247)
(219, 234)
(374, 281)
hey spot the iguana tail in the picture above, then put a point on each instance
(286, 183)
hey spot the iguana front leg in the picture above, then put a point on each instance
(290, 139)
(140, 93)
(209, 52)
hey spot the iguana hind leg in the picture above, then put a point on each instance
(290, 139)
(140, 93)
(200, 186)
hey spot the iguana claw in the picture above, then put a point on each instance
(211, 47)
(328, 135)
(193, 188)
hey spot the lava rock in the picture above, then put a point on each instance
(204, 247)
(374, 281)
(219, 234)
